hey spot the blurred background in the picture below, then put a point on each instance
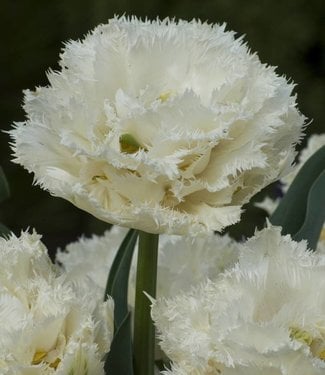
(289, 34)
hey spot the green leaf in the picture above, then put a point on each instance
(4, 231)
(292, 210)
(117, 283)
(315, 214)
(4, 187)
(119, 358)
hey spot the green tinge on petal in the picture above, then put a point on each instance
(129, 144)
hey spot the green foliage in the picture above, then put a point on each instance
(117, 283)
(301, 212)
(4, 194)
(119, 358)
(4, 187)
(315, 213)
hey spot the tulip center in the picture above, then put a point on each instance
(169, 199)
(42, 356)
(164, 96)
(129, 144)
(50, 357)
(315, 344)
(301, 335)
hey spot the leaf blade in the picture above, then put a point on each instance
(4, 186)
(119, 358)
(314, 219)
(117, 283)
(291, 212)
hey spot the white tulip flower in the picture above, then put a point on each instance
(182, 261)
(163, 126)
(265, 315)
(46, 325)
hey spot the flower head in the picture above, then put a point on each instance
(264, 315)
(47, 326)
(162, 126)
(182, 261)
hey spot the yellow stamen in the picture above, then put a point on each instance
(98, 177)
(164, 96)
(301, 335)
(316, 344)
(322, 235)
(55, 364)
(321, 355)
(38, 357)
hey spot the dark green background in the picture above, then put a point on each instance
(287, 34)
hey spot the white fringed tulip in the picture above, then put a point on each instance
(265, 315)
(182, 261)
(47, 325)
(164, 126)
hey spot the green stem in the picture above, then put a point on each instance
(144, 331)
